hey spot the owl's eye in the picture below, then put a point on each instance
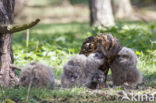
(70, 62)
(75, 76)
(125, 56)
(71, 75)
(36, 80)
(118, 56)
(23, 78)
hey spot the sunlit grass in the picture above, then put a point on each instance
(54, 44)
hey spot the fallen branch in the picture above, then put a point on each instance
(17, 28)
(15, 67)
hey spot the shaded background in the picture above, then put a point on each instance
(63, 11)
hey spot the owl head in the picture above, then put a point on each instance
(98, 77)
(37, 74)
(72, 72)
(127, 56)
(78, 60)
(25, 77)
(96, 58)
(108, 45)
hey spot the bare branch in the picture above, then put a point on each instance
(17, 28)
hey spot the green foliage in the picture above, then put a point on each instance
(141, 38)
(54, 44)
(45, 2)
(143, 2)
(79, 2)
(57, 2)
(137, 36)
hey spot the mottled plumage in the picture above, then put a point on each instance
(37, 74)
(105, 43)
(124, 68)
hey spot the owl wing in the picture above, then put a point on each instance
(92, 44)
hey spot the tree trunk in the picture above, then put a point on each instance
(101, 13)
(122, 8)
(7, 75)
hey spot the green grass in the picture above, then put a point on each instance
(45, 2)
(57, 43)
(79, 2)
(54, 44)
(57, 2)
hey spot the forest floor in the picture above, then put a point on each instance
(54, 44)
(60, 36)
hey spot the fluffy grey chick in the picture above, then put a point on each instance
(124, 68)
(73, 71)
(79, 70)
(95, 76)
(97, 80)
(94, 61)
(37, 74)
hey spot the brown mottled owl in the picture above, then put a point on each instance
(37, 74)
(105, 43)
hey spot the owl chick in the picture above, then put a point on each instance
(80, 70)
(73, 72)
(97, 80)
(124, 68)
(37, 74)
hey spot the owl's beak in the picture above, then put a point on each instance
(120, 58)
(72, 79)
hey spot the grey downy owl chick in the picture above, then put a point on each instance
(94, 61)
(124, 68)
(73, 72)
(95, 76)
(80, 70)
(37, 74)
(97, 80)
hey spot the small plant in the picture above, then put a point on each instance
(59, 42)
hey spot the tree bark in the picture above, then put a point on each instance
(101, 13)
(7, 75)
(122, 8)
(18, 28)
